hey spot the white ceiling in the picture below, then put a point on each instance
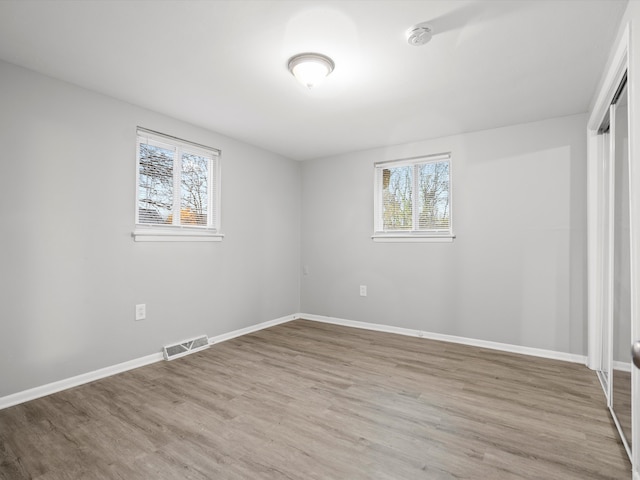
(222, 64)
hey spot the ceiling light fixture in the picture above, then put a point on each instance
(310, 68)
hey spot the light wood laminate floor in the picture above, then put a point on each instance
(306, 400)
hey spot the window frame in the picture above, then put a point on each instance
(413, 235)
(176, 232)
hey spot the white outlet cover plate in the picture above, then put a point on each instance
(141, 311)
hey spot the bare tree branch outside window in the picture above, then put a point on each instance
(194, 190)
(434, 196)
(156, 187)
(397, 198)
(415, 197)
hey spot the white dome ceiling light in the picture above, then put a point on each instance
(419, 34)
(310, 68)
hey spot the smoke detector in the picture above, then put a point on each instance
(419, 34)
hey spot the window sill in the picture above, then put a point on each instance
(177, 235)
(412, 238)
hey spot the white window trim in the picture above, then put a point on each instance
(412, 236)
(179, 233)
(144, 233)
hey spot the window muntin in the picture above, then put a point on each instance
(177, 183)
(413, 196)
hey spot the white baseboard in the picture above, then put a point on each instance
(41, 391)
(253, 328)
(48, 389)
(505, 347)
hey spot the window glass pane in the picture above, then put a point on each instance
(433, 196)
(155, 188)
(194, 199)
(397, 184)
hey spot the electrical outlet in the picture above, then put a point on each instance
(141, 311)
(363, 290)
(305, 270)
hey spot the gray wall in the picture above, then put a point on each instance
(71, 273)
(516, 272)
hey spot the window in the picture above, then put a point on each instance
(413, 199)
(178, 189)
